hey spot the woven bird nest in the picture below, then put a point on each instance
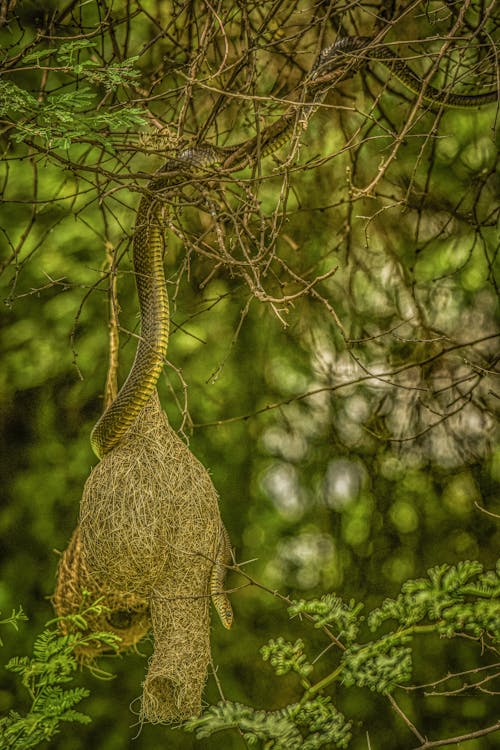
(149, 529)
(126, 615)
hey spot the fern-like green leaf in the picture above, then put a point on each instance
(285, 657)
(332, 610)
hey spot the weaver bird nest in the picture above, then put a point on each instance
(147, 540)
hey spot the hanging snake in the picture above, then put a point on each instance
(335, 63)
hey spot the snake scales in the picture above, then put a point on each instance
(335, 63)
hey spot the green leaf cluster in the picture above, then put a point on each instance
(287, 657)
(322, 723)
(380, 665)
(59, 119)
(110, 76)
(310, 725)
(45, 675)
(332, 610)
(453, 600)
(459, 599)
(13, 620)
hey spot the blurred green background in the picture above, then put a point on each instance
(386, 467)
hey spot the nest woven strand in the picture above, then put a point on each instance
(149, 529)
(126, 615)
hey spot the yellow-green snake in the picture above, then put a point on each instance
(335, 63)
(358, 51)
(217, 577)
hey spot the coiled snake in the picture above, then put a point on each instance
(335, 63)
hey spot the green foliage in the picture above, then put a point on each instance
(254, 725)
(380, 665)
(68, 56)
(285, 657)
(311, 725)
(451, 601)
(324, 725)
(331, 610)
(46, 675)
(14, 620)
(59, 119)
(434, 605)
(445, 598)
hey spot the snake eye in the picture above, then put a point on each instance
(120, 619)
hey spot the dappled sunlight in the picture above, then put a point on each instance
(343, 482)
(306, 561)
(280, 482)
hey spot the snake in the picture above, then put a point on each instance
(220, 599)
(359, 51)
(335, 63)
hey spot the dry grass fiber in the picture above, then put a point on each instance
(149, 529)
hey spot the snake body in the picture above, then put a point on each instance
(430, 95)
(359, 51)
(153, 303)
(335, 63)
(220, 599)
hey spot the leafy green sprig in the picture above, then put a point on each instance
(285, 657)
(59, 119)
(46, 675)
(451, 601)
(308, 726)
(14, 620)
(332, 611)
